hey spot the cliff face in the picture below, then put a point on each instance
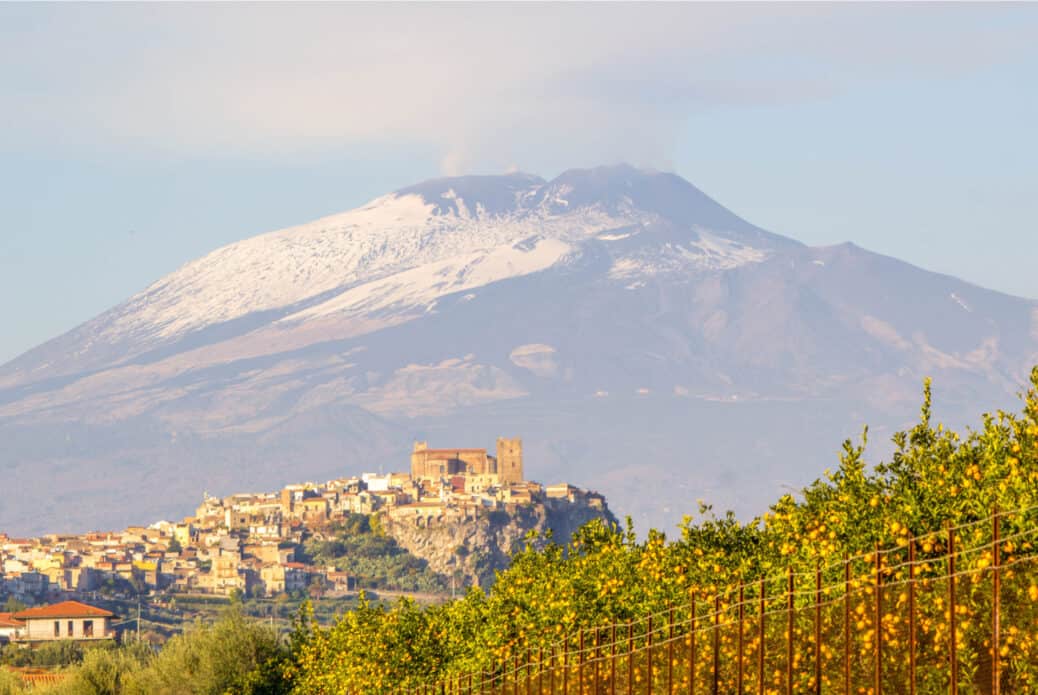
(473, 545)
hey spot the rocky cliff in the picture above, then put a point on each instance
(473, 545)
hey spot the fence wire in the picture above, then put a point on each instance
(894, 620)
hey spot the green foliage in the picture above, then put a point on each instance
(233, 656)
(50, 655)
(10, 684)
(109, 671)
(359, 546)
(606, 574)
(13, 605)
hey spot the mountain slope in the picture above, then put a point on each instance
(588, 300)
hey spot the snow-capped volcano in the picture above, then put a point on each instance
(390, 260)
(462, 304)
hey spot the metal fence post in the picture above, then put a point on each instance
(670, 653)
(911, 615)
(648, 661)
(846, 624)
(760, 637)
(598, 632)
(551, 671)
(818, 627)
(529, 672)
(878, 676)
(740, 651)
(953, 651)
(789, 634)
(630, 656)
(717, 645)
(996, 605)
(692, 645)
(540, 671)
(565, 667)
(580, 663)
(612, 660)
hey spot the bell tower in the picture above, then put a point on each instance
(510, 460)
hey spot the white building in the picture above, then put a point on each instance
(69, 620)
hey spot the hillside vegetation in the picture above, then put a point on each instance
(375, 558)
(935, 479)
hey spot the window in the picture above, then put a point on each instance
(70, 626)
(88, 628)
(57, 628)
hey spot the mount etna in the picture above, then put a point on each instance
(641, 339)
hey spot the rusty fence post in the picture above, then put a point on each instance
(612, 660)
(692, 645)
(551, 670)
(529, 672)
(760, 637)
(818, 627)
(630, 656)
(953, 651)
(878, 675)
(648, 660)
(598, 658)
(565, 667)
(580, 663)
(717, 645)
(789, 633)
(911, 615)
(540, 671)
(996, 605)
(846, 624)
(740, 651)
(670, 653)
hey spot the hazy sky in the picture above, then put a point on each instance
(134, 138)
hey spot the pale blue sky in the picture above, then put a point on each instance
(134, 138)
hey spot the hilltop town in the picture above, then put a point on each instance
(253, 543)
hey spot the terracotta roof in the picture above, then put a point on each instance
(65, 609)
(7, 621)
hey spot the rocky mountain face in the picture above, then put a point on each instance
(642, 339)
(474, 549)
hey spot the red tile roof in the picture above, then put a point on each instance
(7, 621)
(65, 609)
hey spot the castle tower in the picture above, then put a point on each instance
(418, 459)
(510, 460)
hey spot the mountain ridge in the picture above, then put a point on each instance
(498, 299)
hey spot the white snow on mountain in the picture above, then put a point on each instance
(420, 286)
(399, 253)
(709, 252)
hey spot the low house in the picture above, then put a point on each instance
(10, 628)
(69, 620)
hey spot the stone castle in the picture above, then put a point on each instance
(506, 466)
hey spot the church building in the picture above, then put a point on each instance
(507, 465)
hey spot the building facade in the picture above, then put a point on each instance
(69, 620)
(444, 463)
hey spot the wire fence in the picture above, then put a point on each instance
(952, 611)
